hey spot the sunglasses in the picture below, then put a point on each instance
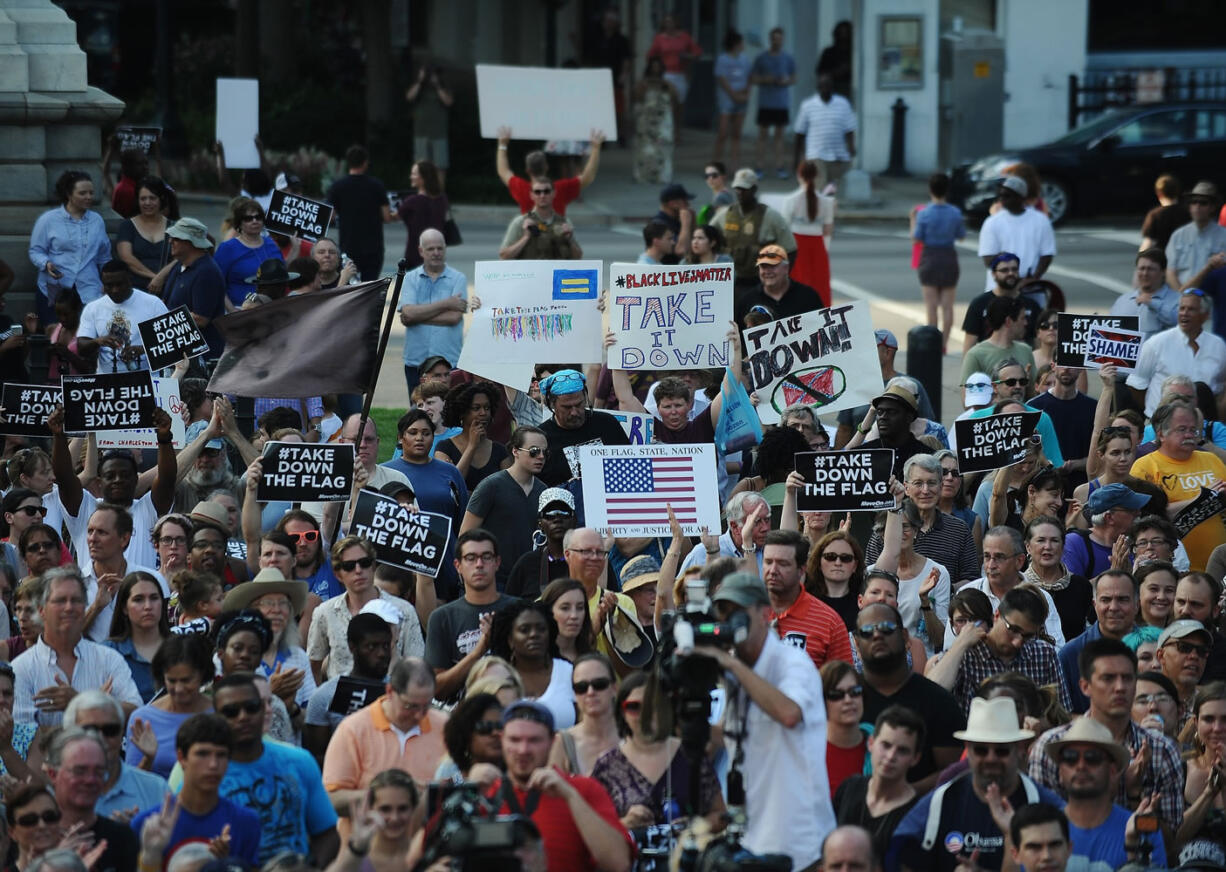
(39, 547)
(536, 451)
(254, 216)
(711, 175)
(835, 557)
(1117, 431)
(557, 514)
(1017, 631)
(250, 707)
(837, 695)
(886, 628)
(1188, 648)
(109, 730)
(597, 684)
(1092, 756)
(31, 511)
(1196, 292)
(632, 705)
(541, 191)
(1000, 751)
(1048, 325)
(1011, 382)
(950, 473)
(50, 816)
(487, 728)
(308, 536)
(202, 544)
(351, 565)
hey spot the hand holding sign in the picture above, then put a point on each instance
(994, 441)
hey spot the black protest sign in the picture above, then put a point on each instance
(295, 215)
(415, 541)
(138, 137)
(845, 481)
(1201, 509)
(305, 472)
(26, 408)
(995, 441)
(1073, 331)
(353, 694)
(108, 401)
(170, 336)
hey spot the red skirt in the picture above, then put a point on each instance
(812, 265)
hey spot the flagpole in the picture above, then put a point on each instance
(388, 317)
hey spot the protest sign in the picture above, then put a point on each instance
(237, 122)
(354, 693)
(845, 481)
(137, 137)
(166, 396)
(627, 489)
(546, 103)
(1072, 332)
(1201, 509)
(416, 541)
(994, 441)
(305, 472)
(533, 311)
(296, 215)
(1119, 348)
(670, 317)
(169, 336)
(640, 428)
(826, 360)
(26, 408)
(108, 401)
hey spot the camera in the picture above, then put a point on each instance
(464, 824)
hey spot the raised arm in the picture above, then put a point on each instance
(61, 464)
(1102, 417)
(163, 488)
(501, 162)
(593, 160)
(250, 518)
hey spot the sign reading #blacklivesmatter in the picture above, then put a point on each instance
(416, 541)
(26, 408)
(296, 215)
(306, 472)
(845, 481)
(143, 138)
(1201, 509)
(1073, 332)
(995, 441)
(108, 401)
(169, 336)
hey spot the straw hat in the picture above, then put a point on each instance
(266, 581)
(994, 722)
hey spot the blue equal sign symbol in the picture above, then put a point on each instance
(575, 284)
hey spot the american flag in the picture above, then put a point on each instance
(640, 489)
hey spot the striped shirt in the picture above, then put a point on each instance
(948, 542)
(815, 628)
(824, 127)
(1037, 661)
(38, 668)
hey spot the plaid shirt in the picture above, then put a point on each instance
(1163, 776)
(1037, 661)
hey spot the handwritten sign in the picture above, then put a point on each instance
(1119, 348)
(627, 489)
(166, 396)
(845, 481)
(305, 472)
(670, 317)
(416, 541)
(108, 401)
(1195, 513)
(137, 137)
(26, 408)
(295, 215)
(168, 337)
(640, 428)
(826, 360)
(994, 441)
(1073, 331)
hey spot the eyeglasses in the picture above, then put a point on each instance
(886, 628)
(1200, 651)
(924, 485)
(31, 511)
(308, 536)
(1001, 751)
(1156, 542)
(487, 728)
(50, 816)
(1011, 382)
(590, 553)
(40, 547)
(633, 706)
(1092, 756)
(541, 191)
(998, 558)
(836, 695)
(484, 557)
(1017, 631)
(253, 216)
(250, 707)
(536, 451)
(204, 544)
(351, 565)
(172, 540)
(1148, 698)
(950, 473)
(597, 684)
(110, 730)
(837, 557)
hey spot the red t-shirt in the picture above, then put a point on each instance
(815, 628)
(564, 191)
(123, 198)
(564, 845)
(842, 763)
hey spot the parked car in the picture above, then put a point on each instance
(1109, 164)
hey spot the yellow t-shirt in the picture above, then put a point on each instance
(1182, 480)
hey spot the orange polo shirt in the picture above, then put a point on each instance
(365, 744)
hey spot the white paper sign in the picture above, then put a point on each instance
(628, 489)
(826, 360)
(640, 428)
(533, 311)
(166, 393)
(546, 103)
(238, 121)
(670, 317)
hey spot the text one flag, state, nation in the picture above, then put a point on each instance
(641, 489)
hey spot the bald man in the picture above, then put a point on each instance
(432, 306)
(848, 849)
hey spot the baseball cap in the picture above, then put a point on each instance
(196, 428)
(1015, 184)
(743, 588)
(745, 178)
(394, 489)
(431, 362)
(675, 191)
(553, 495)
(886, 338)
(1111, 496)
(978, 390)
(771, 254)
(1181, 629)
(528, 710)
(383, 609)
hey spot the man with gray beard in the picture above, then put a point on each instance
(204, 465)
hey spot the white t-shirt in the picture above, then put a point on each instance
(796, 213)
(909, 605)
(103, 317)
(1028, 235)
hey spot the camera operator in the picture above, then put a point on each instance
(779, 720)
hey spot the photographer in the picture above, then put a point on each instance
(787, 795)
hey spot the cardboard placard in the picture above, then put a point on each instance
(168, 337)
(237, 122)
(670, 317)
(1072, 332)
(296, 215)
(627, 489)
(108, 401)
(166, 395)
(137, 137)
(546, 103)
(416, 541)
(640, 428)
(1120, 348)
(826, 360)
(353, 694)
(994, 441)
(857, 480)
(306, 472)
(1201, 509)
(26, 408)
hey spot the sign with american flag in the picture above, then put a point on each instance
(628, 489)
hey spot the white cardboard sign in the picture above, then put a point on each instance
(546, 103)
(238, 121)
(627, 488)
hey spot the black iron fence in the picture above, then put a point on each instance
(1100, 90)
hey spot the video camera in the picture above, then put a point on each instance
(463, 824)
